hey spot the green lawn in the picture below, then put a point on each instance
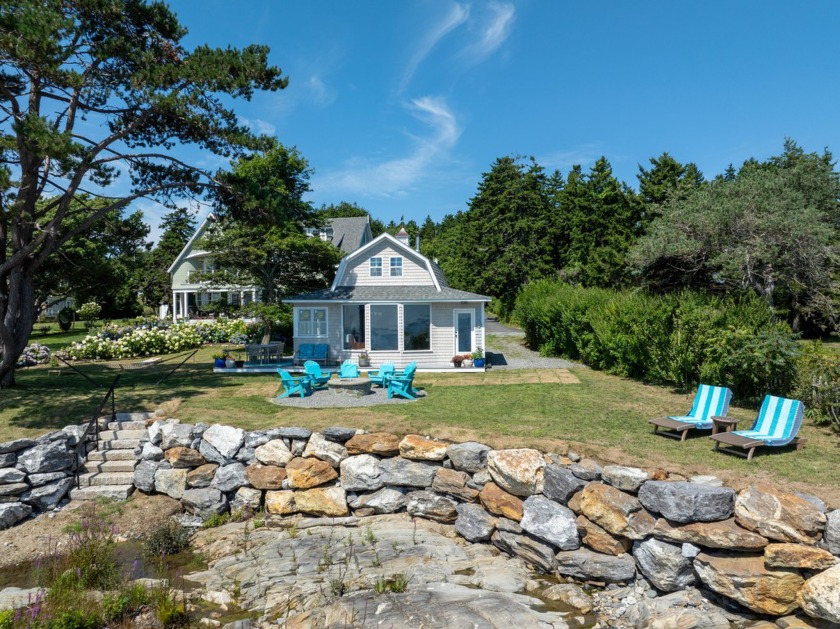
(602, 416)
(50, 334)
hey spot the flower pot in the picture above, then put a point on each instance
(478, 362)
(239, 364)
(230, 363)
(219, 362)
(457, 364)
(468, 363)
(364, 362)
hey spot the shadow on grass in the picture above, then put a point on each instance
(43, 399)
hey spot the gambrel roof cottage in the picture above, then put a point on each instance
(391, 301)
(188, 295)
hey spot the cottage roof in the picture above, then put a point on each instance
(368, 294)
(348, 232)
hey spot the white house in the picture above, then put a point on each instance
(394, 303)
(188, 294)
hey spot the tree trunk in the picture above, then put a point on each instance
(17, 300)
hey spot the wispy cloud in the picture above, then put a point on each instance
(258, 126)
(319, 93)
(493, 28)
(563, 160)
(395, 177)
(457, 15)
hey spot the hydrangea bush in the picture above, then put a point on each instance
(149, 338)
(34, 354)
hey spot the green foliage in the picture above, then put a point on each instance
(167, 539)
(818, 385)
(679, 339)
(65, 318)
(89, 312)
(120, 605)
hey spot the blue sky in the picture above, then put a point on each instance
(401, 106)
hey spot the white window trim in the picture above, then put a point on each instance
(393, 267)
(297, 312)
(372, 267)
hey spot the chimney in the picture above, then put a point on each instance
(402, 236)
(417, 243)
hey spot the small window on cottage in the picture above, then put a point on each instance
(396, 267)
(376, 267)
(312, 322)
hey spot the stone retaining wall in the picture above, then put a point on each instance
(769, 551)
(35, 473)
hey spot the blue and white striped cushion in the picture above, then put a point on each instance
(709, 402)
(778, 421)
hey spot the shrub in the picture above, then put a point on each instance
(167, 539)
(818, 385)
(34, 354)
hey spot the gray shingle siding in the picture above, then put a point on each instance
(368, 294)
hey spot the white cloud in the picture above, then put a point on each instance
(395, 177)
(258, 126)
(493, 28)
(584, 155)
(320, 94)
(457, 15)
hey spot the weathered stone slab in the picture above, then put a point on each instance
(624, 478)
(280, 502)
(496, 500)
(16, 445)
(819, 596)
(290, 432)
(150, 452)
(779, 516)
(225, 439)
(832, 532)
(454, 483)
(361, 472)
(265, 476)
(469, 456)
(600, 540)
(144, 476)
(48, 457)
(204, 502)
(274, 452)
(474, 524)
(47, 496)
(427, 504)
(550, 521)
(560, 484)
(587, 470)
(745, 579)
(339, 434)
(36, 480)
(13, 489)
(246, 498)
(420, 448)
(184, 457)
(11, 475)
(13, 512)
(173, 435)
(8, 459)
(664, 564)
(798, 556)
(688, 502)
(327, 502)
(726, 535)
(400, 472)
(307, 473)
(385, 500)
(530, 549)
(229, 478)
(320, 448)
(201, 476)
(210, 453)
(615, 511)
(379, 443)
(172, 482)
(591, 566)
(518, 471)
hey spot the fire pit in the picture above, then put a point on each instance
(357, 387)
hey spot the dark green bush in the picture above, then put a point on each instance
(167, 539)
(818, 385)
(678, 339)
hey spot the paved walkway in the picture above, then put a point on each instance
(507, 346)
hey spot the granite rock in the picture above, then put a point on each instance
(518, 471)
(664, 564)
(688, 502)
(499, 502)
(400, 472)
(229, 478)
(204, 502)
(379, 443)
(474, 524)
(624, 478)
(591, 566)
(361, 472)
(202, 476)
(560, 483)
(778, 515)
(550, 521)
(265, 476)
(469, 456)
(818, 597)
(307, 473)
(48, 457)
(13, 512)
(432, 506)
(329, 451)
(274, 452)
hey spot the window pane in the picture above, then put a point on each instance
(396, 267)
(320, 317)
(305, 322)
(375, 267)
(383, 328)
(354, 327)
(416, 327)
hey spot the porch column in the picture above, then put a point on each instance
(254, 295)
(184, 312)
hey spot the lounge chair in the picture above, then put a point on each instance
(321, 353)
(348, 369)
(305, 352)
(709, 402)
(777, 424)
(403, 385)
(318, 379)
(380, 376)
(294, 385)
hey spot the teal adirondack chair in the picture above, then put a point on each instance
(777, 424)
(380, 376)
(316, 376)
(348, 369)
(708, 403)
(304, 353)
(403, 385)
(294, 385)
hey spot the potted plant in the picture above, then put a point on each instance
(364, 359)
(478, 357)
(457, 360)
(219, 359)
(468, 362)
(230, 362)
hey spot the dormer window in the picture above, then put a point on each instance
(376, 267)
(396, 267)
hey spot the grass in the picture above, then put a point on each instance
(601, 416)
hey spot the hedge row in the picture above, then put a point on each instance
(680, 339)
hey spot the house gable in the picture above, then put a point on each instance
(354, 269)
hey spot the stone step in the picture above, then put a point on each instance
(110, 466)
(110, 455)
(106, 478)
(119, 444)
(111, 492)
(126, 426)
(111, 435)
